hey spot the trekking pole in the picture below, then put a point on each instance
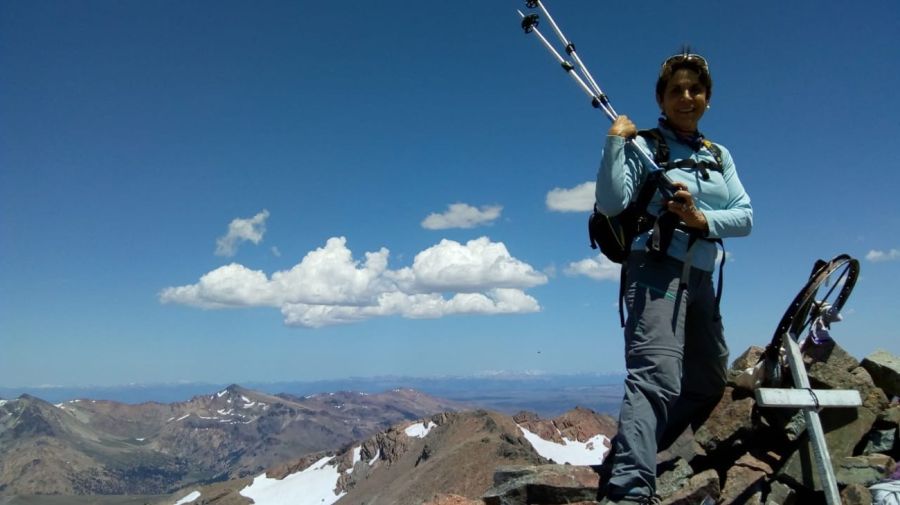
(598, 98)
(570, 50)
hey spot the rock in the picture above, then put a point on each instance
(830, 354)
(844, 428)
(824, 376)
(684, 447)
(891, 416)
(880, 441)
(744, 480)
(728, 420)
(749, 358)
(856, 494)
(700, 487)
(780, 494)
(674, 478)
(885, 370)
(746, 372)
(582, 424)
(865, 470)
(741, 482)
(544, 484)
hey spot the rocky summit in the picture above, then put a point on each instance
(748, 454)
(273, 450)
(742, 454)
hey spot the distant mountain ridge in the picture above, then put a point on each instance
(105, 447)
(509, 392)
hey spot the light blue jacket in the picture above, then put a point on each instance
(722, 198)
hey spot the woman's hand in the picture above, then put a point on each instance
(623, 127)
(683, 206)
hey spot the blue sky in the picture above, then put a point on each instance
(302, 160)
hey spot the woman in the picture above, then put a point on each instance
(675, 350)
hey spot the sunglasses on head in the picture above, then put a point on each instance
(682, 57)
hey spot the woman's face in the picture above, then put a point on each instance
(684, 100)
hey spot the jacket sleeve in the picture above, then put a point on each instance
(619, 177)
(736, 218)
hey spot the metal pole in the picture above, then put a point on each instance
(813, 424)
(666, 187)
(570, 49)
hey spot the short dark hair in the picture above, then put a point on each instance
(687, 60)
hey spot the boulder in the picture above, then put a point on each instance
(831, 354)
(880, 441)
(844, 428)
(865, 470)
(673, 478)
(741, 483)
(544, 484)
(732, 417)
(780, 494)
(885, 370)
(700, 487)
(856, 494)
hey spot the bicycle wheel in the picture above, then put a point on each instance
(828, 288)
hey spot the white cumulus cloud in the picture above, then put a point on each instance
(329, 286)
(877, 256)
(599, 268)
(578, 199)
(461, 215)
(242, 230)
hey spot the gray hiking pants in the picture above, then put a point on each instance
(675, 355)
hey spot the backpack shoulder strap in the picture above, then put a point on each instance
(661, 154)
(715, 150)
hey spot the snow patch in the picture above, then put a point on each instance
(357, 455)
(419, 430)
(313, 486)
(221, 393)
(189, 498)
(374, 459)
(246, 400)
(183, 417)
(140, 439)
(570, 451)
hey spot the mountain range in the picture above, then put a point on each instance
(104, 447)
(548, 395)
(413, 462)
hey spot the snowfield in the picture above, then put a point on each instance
(313, 486)
(570, 451)
(419, 430)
